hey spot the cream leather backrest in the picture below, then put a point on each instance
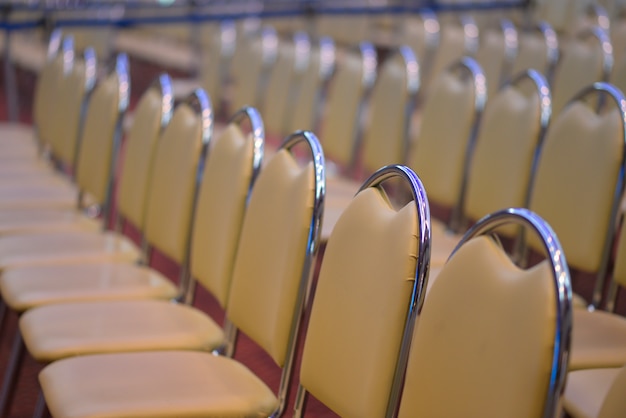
(456, 39)
(440, 152)
(585, 60)
(227, 181)
(218, 45)
(538, 50)
(511, 129)
(101, 132)
(152, 113)
(76, 87)
(174, 175)
(255, 58)
(308, 97)
(582, 151)
(284, 79)
(361, 301)
(497, 50)
(354, 76)
(271, 263)
(385, 137)
(421, 33)
(483, 311)
(48, 91)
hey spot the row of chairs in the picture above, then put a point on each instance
(373, 285)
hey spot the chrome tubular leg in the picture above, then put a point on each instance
(300, 405)
(11, 373)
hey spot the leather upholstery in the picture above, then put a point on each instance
(360, 305)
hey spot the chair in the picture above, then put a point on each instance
(271, 275)
(594, 162)
(252, 61)
(94, 181)
(595, 393)
(538, 49)
(496, 53)
(507, 147)
(99, 141)
(599, 338)
(421, 34)
(368, 298)
(460, 357)
(229, 172)
(586, 59)
(340, 127)
(458, 37)
(313, 87)
(385, 134)
(284, 79)
(442, 151)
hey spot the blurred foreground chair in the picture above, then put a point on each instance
(460, 358)
(271, 277)
(596, 393)
(368, 297)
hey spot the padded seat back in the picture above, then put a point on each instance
(496, 53)
(538, 50)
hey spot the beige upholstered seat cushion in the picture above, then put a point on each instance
(598, 340)
(155, 384)
(65, 247)
(42, 220)
(37, 196)
(23, 288)
(586, 391)
(57, 331)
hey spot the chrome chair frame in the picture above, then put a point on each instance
(470, 68)
(562, 287)
(317, 156)
(302, 58)
(418, 192)
(552, 47)
(368, 78)
(328, 63)
(511, 45)
(269, 46)
(431, 41)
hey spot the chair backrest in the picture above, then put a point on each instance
(391, 105)
(483, 311)
(310, 96)
(458, 38)
(215, 57)
(587, 58)
(509, 138)
(101, 133)
(368, 296)
(229, 173)
(60, 61)
(285, 76)
(175, 177)
(421, 33)
(618, 277)
(75, 89)
(250, 67)
(442, 151)
(583, 151)
(496, 52)
(538, 49)
(279, 240)
(340, 127)
(152, 113)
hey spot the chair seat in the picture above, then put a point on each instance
(58, 331)
(586, 390)
(155, 384)
(24, 288)
(28, 220)
(37, 196)
(598, 340)
(65, 247)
